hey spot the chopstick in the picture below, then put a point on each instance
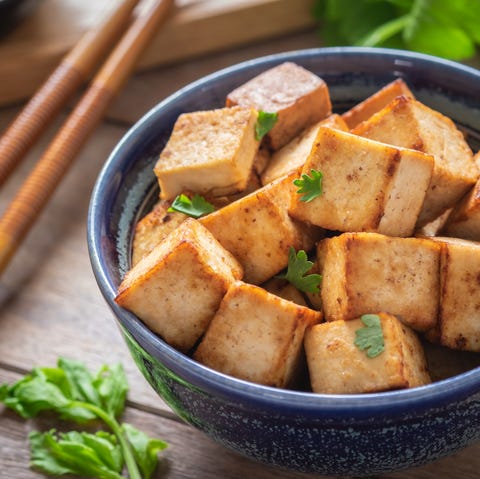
(50, 169)
(73, 70)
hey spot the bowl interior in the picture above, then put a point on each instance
(126, 188)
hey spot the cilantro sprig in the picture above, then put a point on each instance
(309, 186)
(196, 207)
(369, 338)
(444, 28)
(298, 266)
(265, 122)
(71, 391)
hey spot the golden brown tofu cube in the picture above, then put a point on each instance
(176, 289)
(408, 123)
(209, 153)
(299, 97)
(258, 231)
(374, 103)
(367, 185)
(256, 336)
(464, 219)
(364, 272)
(153, 228)
(294, 154)
(337, 366)
(459, 313)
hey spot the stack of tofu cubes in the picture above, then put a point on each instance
(393, 169)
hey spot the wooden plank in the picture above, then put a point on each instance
(196, 27)
(51, 305)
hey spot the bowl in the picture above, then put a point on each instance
(299, 431)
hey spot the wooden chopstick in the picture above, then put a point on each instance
(50, 169)
(74, 70)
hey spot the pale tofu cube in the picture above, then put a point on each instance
(337, 366)
(300, 98)
(176, 289)
(209, 153)
(366, 185)
(257, 336)
(258, 231)
(374, 103)
(295, 153)
(408, 123)
(153, 228)
(464, 219)
(459, 312)
(365, 272)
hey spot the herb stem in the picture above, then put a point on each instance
(112, 423)
(384, 32)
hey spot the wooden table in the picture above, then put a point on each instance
(51, 307)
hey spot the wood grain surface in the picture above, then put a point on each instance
(30, 52)
(51, 306)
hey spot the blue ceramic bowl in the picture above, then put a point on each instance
(323, 434)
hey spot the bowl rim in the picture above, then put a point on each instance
(435, 394)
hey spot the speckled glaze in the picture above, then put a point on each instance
(323, 434)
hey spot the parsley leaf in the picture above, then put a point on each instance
(195, 207)
(298, 266)
(90, 455)
(145, 449)
(310, 186)
(370, 337)
(438, 27)
(265, 122)
(76, 394)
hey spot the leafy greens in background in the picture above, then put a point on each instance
(445, 28)
(74, 393)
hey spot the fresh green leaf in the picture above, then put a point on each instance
(195, 207)
(80, 380)
(265, 122)
(439, 27)
(145, 449)
(309, 186)
(111, 384)
(298, 266)
(370, 337)
(85, 454)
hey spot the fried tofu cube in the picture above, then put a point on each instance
(153, 228)
(258, 231)
(337, 366)
(366, 186)
(257, 336)
(408, 123)
(374, 103)
(295, 153)
(209, 153)
(464, 219)
(300, 98)
(364, 272)
(176, 289)
(459, 313)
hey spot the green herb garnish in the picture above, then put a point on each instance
(309, 186)
(265, 122)
(298, 266)
(370, 337)
(440, 27)
(196, 207)
(71, 391)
